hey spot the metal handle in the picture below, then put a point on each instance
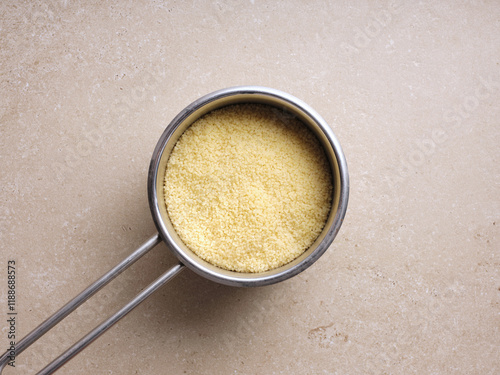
(85, 295)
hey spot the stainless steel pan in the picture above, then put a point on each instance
(166, 233)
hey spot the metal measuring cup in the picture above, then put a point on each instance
(166, 233)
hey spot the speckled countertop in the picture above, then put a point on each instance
(411, 89)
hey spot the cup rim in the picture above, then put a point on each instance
(234, 278)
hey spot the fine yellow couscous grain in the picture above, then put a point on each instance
(248, 187)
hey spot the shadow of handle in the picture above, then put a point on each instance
(85, 295)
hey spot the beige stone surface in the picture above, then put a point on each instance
(412, 90)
